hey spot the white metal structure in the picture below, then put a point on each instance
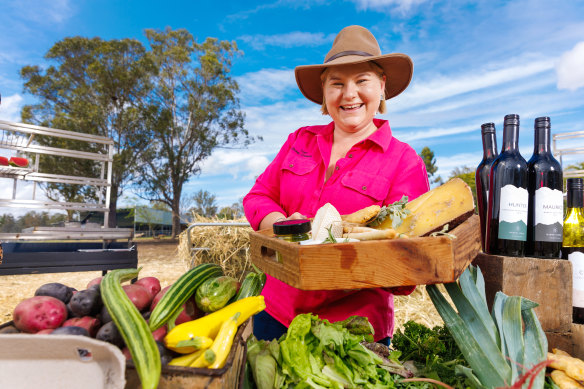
(22, 138)
(559, 152)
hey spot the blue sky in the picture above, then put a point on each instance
(474, 62)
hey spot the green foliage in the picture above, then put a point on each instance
(433, 350)
(427, 156)
(193, 110)
(30, 219)
(204, 204)
(96, 87)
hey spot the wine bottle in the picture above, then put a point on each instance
(508, 196)
(546, 200)
(482, 175)
(573, 244)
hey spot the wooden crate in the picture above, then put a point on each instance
(368, 264)
(545, 281)
(230, 376)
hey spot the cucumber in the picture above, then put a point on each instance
(214, 293)
(180, 292)
(252, 285)
(132, 326)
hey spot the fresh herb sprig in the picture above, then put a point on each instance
(396, 211)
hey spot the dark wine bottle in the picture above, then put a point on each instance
(546, 200)
(482, 175)
(573, 244)
(508, 196)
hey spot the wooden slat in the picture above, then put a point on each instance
(369, 264)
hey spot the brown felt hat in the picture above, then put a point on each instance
(356, 44)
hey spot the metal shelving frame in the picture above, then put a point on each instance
(560, 152)
(21, 138)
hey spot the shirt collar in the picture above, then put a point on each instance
(382, 137)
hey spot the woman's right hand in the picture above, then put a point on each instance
(273, 217)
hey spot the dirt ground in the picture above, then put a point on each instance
(160, 260)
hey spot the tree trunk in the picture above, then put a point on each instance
(175, 223)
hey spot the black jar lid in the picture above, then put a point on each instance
(292, 227)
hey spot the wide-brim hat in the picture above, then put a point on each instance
(352, 45)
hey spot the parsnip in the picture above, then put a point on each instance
(563, 381)
(573, 367)
(557, 351)
(363, 215)
(372, 235)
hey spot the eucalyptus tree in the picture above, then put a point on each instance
(98, 87)
(194, 110)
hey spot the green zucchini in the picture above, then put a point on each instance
(214, 293)
(132, 326)
(252, 285)
(180, 292)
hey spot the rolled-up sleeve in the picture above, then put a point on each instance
(264, 196)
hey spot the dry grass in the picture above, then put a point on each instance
(228, 246)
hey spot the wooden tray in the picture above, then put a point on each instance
(368, 264)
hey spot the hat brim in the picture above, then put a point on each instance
(397, 67)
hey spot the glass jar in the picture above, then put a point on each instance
(291, 231)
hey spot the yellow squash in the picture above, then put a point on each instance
(209, 325)
(222, 344)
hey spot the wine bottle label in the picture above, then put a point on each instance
(513, 213)
(577, 259)
(549, 215)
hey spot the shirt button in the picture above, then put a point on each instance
(364, 187)
(336, 168)
(291, 165)
(350, 155)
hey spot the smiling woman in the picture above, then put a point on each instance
(352, 163)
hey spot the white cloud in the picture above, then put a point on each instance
(10, 108)
(42, 11)
(290, 39)
(385, 5)
(441, 87)
(570, 68)
(266, 83)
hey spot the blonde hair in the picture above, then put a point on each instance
(376, 68)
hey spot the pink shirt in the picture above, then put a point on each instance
(377, 170)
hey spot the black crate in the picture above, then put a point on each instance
(32, 258)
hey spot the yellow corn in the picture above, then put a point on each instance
(222, 344)
(186, 360)
(209, 325)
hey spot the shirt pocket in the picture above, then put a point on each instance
(298, 166)
(367, 184)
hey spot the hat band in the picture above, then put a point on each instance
(349, 52)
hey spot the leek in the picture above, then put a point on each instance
(495, 345)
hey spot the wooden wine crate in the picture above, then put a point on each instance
(368, 264)
(229, 376)
(545, 281)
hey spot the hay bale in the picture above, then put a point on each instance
(227, 246)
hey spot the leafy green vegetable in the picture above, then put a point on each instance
(396, 211)
(315, 353)
(433, 350)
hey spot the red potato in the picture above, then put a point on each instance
(127, 354)
(45, 331)
(95, 281)
(138, 295)
(160, 333)
(151, 284)
(189, 309)
(39, 313)
(91, 324)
